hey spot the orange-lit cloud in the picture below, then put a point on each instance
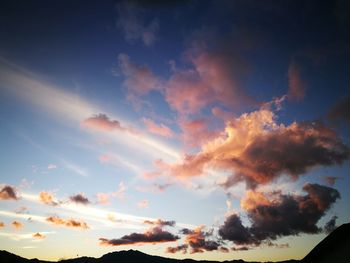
(47, 198)
(297, 85)
(39, 236)
(152, 236)
(160, 129)
(2, 224)
(198, 240)
(73, 223)
(257, 150)
(17, 225)
(8, 193)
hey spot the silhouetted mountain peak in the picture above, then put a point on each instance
(334, 248)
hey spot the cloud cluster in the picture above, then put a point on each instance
(197, 240)
(154, 235)
(274, 214)
(73, 223)
(79, 199)
(8, 193)
(256, 149)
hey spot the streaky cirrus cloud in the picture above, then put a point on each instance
(79, 199)
(8, 192)
(154, 235)
(17, 225)
(340, 111)
(158, 129)
(132, 22)
(72, 223)
(160, 222)
(296, 84)
(275, 214)
(47, 198)
(256, 149)
(198, 240)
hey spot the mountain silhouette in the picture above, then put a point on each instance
(334, 248)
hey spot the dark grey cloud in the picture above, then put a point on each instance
(8, 193)
(340, 111)
(152, 236)
(80, 199)
(286, 215)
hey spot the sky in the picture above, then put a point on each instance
(212, 130)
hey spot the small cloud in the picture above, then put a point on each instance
(330, 180)
(152, 236)
(51, 166)
(47, 198)
(160, 222)
(2, 224)
(340, 112)
(101, 122)
(158, 129)
(330, 225)
(17, 225)
(79, 199)
(8, 193)
(143, 204)
(73, 223)
(38, 236)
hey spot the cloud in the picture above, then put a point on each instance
(2, 224)
(47, 198)
(274, 215)
(8, 193)
(330, 180)
(101, 122)
(139, 79)
(68, 223)
(330, 225)
(51, 166)
(160, 129)
(38, 236)
(152, 236)
(197, 240)
(296, 85)
(132, 22)
(79, 199)
(160, 222)
(256, 149)
(143, 204)
(104, 198)
(17, 225)
(340, 111)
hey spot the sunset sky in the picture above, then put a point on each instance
(212, 130)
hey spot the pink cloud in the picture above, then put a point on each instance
(257, 150)
(101, 122)
(297, 85)
(160, 129)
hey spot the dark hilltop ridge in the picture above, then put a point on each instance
(334, 248)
